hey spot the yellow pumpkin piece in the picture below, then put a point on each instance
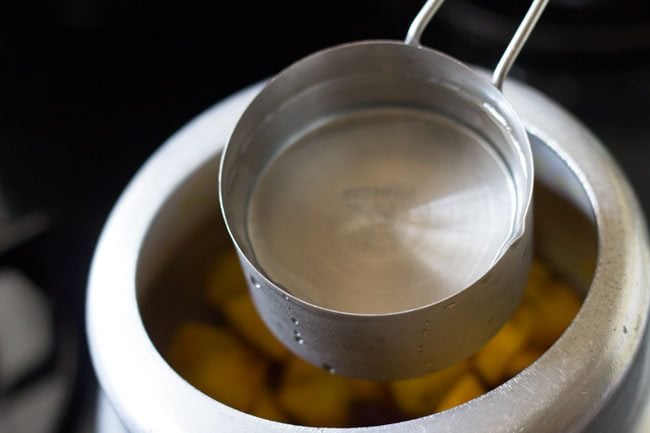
(296, 369)
(224, 278)
(533, 288)
(364, 390)
(312, 396)
(466, 388)
(214, 361)
(539, 273)
(554, 308)
(241, 315)
(193, 341)
(491, 361)
(266, 407)
(358, 389)
(522, 359)
(421, 395)
(524, 318)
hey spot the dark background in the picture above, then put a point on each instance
(90, 88)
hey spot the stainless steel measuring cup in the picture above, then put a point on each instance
(378, 196)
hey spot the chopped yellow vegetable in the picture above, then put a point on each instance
(491, 361)
(296, 370)
(212, 359)
(364, 390)
(241, 315)
(554, 307)
(232, 364)
(312, 396)
(538, 272)
(224, 278)
(466, 388)
(266, 407)
(421, 395)
(522, 359)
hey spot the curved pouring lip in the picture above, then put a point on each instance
(571, 384)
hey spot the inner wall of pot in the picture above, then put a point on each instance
(188, 232)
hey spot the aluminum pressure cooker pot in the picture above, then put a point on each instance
(595, 378)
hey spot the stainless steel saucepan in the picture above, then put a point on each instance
(378, 195)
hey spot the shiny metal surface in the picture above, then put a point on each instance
(593, 380)
(511, 52)
(378, 193)
(421, 21)
(359, 215)
(517, 42)
(106, 420)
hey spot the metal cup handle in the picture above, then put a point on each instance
(512, 50)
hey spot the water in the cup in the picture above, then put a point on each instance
(382, 210)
